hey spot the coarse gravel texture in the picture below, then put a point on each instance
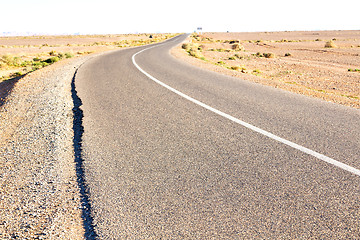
(39, 191)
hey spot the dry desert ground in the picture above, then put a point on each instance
(20, 55)
(322, 64)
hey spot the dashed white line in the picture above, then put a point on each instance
(247, 125)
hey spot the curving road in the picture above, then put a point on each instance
(265, 164)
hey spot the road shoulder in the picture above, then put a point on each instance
(40, 194)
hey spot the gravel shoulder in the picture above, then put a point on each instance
(40, 197)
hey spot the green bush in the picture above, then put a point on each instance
(268, 55)
(69, 55)
(51, 60)
(195, 54)
(9, 60)
(16, 74)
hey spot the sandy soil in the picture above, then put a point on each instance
(311, 69)
(27, 48)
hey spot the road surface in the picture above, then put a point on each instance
(158, 165)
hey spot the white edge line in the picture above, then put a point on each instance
(247, 125)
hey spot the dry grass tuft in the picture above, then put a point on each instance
(269, 55)
(330, 44)
(186, 46)
(237, 47)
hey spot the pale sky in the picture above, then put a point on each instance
(151, 16)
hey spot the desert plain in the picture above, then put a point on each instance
(20, 55)
(322, 64)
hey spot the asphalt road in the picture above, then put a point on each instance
(159, 166)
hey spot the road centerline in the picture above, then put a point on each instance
(245, 124)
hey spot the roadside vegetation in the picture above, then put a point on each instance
(22, 65)
(319, 66)
(18, 58)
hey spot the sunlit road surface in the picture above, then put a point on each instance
(159, 164)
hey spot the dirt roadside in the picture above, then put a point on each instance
(300, 62)
(40, 197)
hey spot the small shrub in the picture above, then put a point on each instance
(16, 74)
(238, 56)
(221, 62)
(38, 65)
(256, 71)
(61, 55)
(268, 55)
(9, 60)
(237, 47)
(52, 53)
(330, 44)
(287, 54)
(232, 58)
(201, 47)
(258, 54)
(69, 55)
(354, 70)
(195, 53)
(186, 46)
(25, 63)
(238, 68)
(51, 60)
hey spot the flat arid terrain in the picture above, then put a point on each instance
(322, 64)
(20, 55)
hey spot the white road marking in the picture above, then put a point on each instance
(247, 125)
